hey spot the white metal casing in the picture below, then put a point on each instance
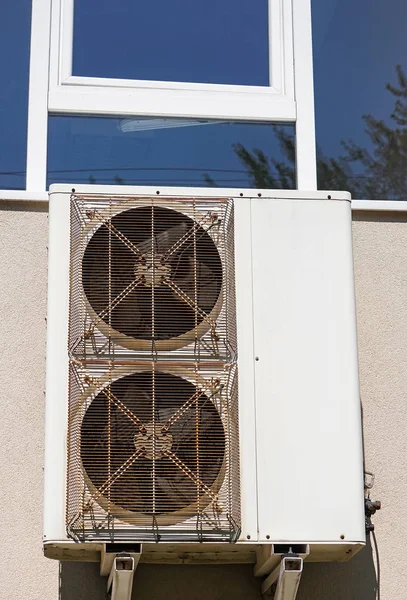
(299, 410)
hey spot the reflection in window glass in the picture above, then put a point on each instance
(361, 121)
(171, 152)
(216, 41)
(14, 52)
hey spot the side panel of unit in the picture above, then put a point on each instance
(244, 318)
(309, 445)
(56, 408)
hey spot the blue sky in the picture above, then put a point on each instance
(356, 47)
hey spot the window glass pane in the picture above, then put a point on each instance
(215, 41)
(14, 52)
(361, 121)
(174, 152)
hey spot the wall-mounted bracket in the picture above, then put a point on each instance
(120, 564)
(120, 582)
(269, 556)
(288, 576)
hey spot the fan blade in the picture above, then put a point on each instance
(201, 276)
(120, 252)
(189, 473)
(122, 407)
(161, 242)
(133, 491)
(119, 472)
(117, 233)
(118, 433)
(190, 302)
(176, 492)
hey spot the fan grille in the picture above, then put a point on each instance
(152, 277)
(153, 418)
(152, 443)
(152, 280)
(153, 453)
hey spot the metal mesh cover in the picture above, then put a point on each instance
(152, 276)
(153, 423)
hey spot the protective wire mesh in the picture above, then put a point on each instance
(153, 417)
(152, 276)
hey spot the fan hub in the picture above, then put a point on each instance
(152, 269)
(154, 440)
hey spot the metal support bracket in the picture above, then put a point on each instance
(120, 566)
(269, 556)
(120, 581)
(288, 576)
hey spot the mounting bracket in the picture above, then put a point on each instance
(120, 580)
(287, 575)
(120, 564)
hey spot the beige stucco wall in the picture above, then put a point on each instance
(380, 242)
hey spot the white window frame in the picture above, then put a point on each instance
(121, 96)
(54, 90)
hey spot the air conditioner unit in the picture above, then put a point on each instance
(202, 387)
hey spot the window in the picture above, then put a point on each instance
(230, 63)
(241, 62)
(357, 47)
(116, 57)
(168, 152)
(14, 50)
(220, 42)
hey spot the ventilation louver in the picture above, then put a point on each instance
(153, 443)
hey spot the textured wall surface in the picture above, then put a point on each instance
(25, 574)
(380, 248)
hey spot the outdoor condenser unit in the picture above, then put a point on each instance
(202, 385)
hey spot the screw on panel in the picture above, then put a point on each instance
(248, 537)
(240, 194)
(267, 537)
(157, 192)
(342, 536)
(257, 358)
(73, 190)
(329, 197)
(259, 195)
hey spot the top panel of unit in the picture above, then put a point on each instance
(125, 190)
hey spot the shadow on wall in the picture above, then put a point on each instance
(81, 581)
(355, 580)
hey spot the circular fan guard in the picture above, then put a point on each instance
(164, 441)
(152, 273)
